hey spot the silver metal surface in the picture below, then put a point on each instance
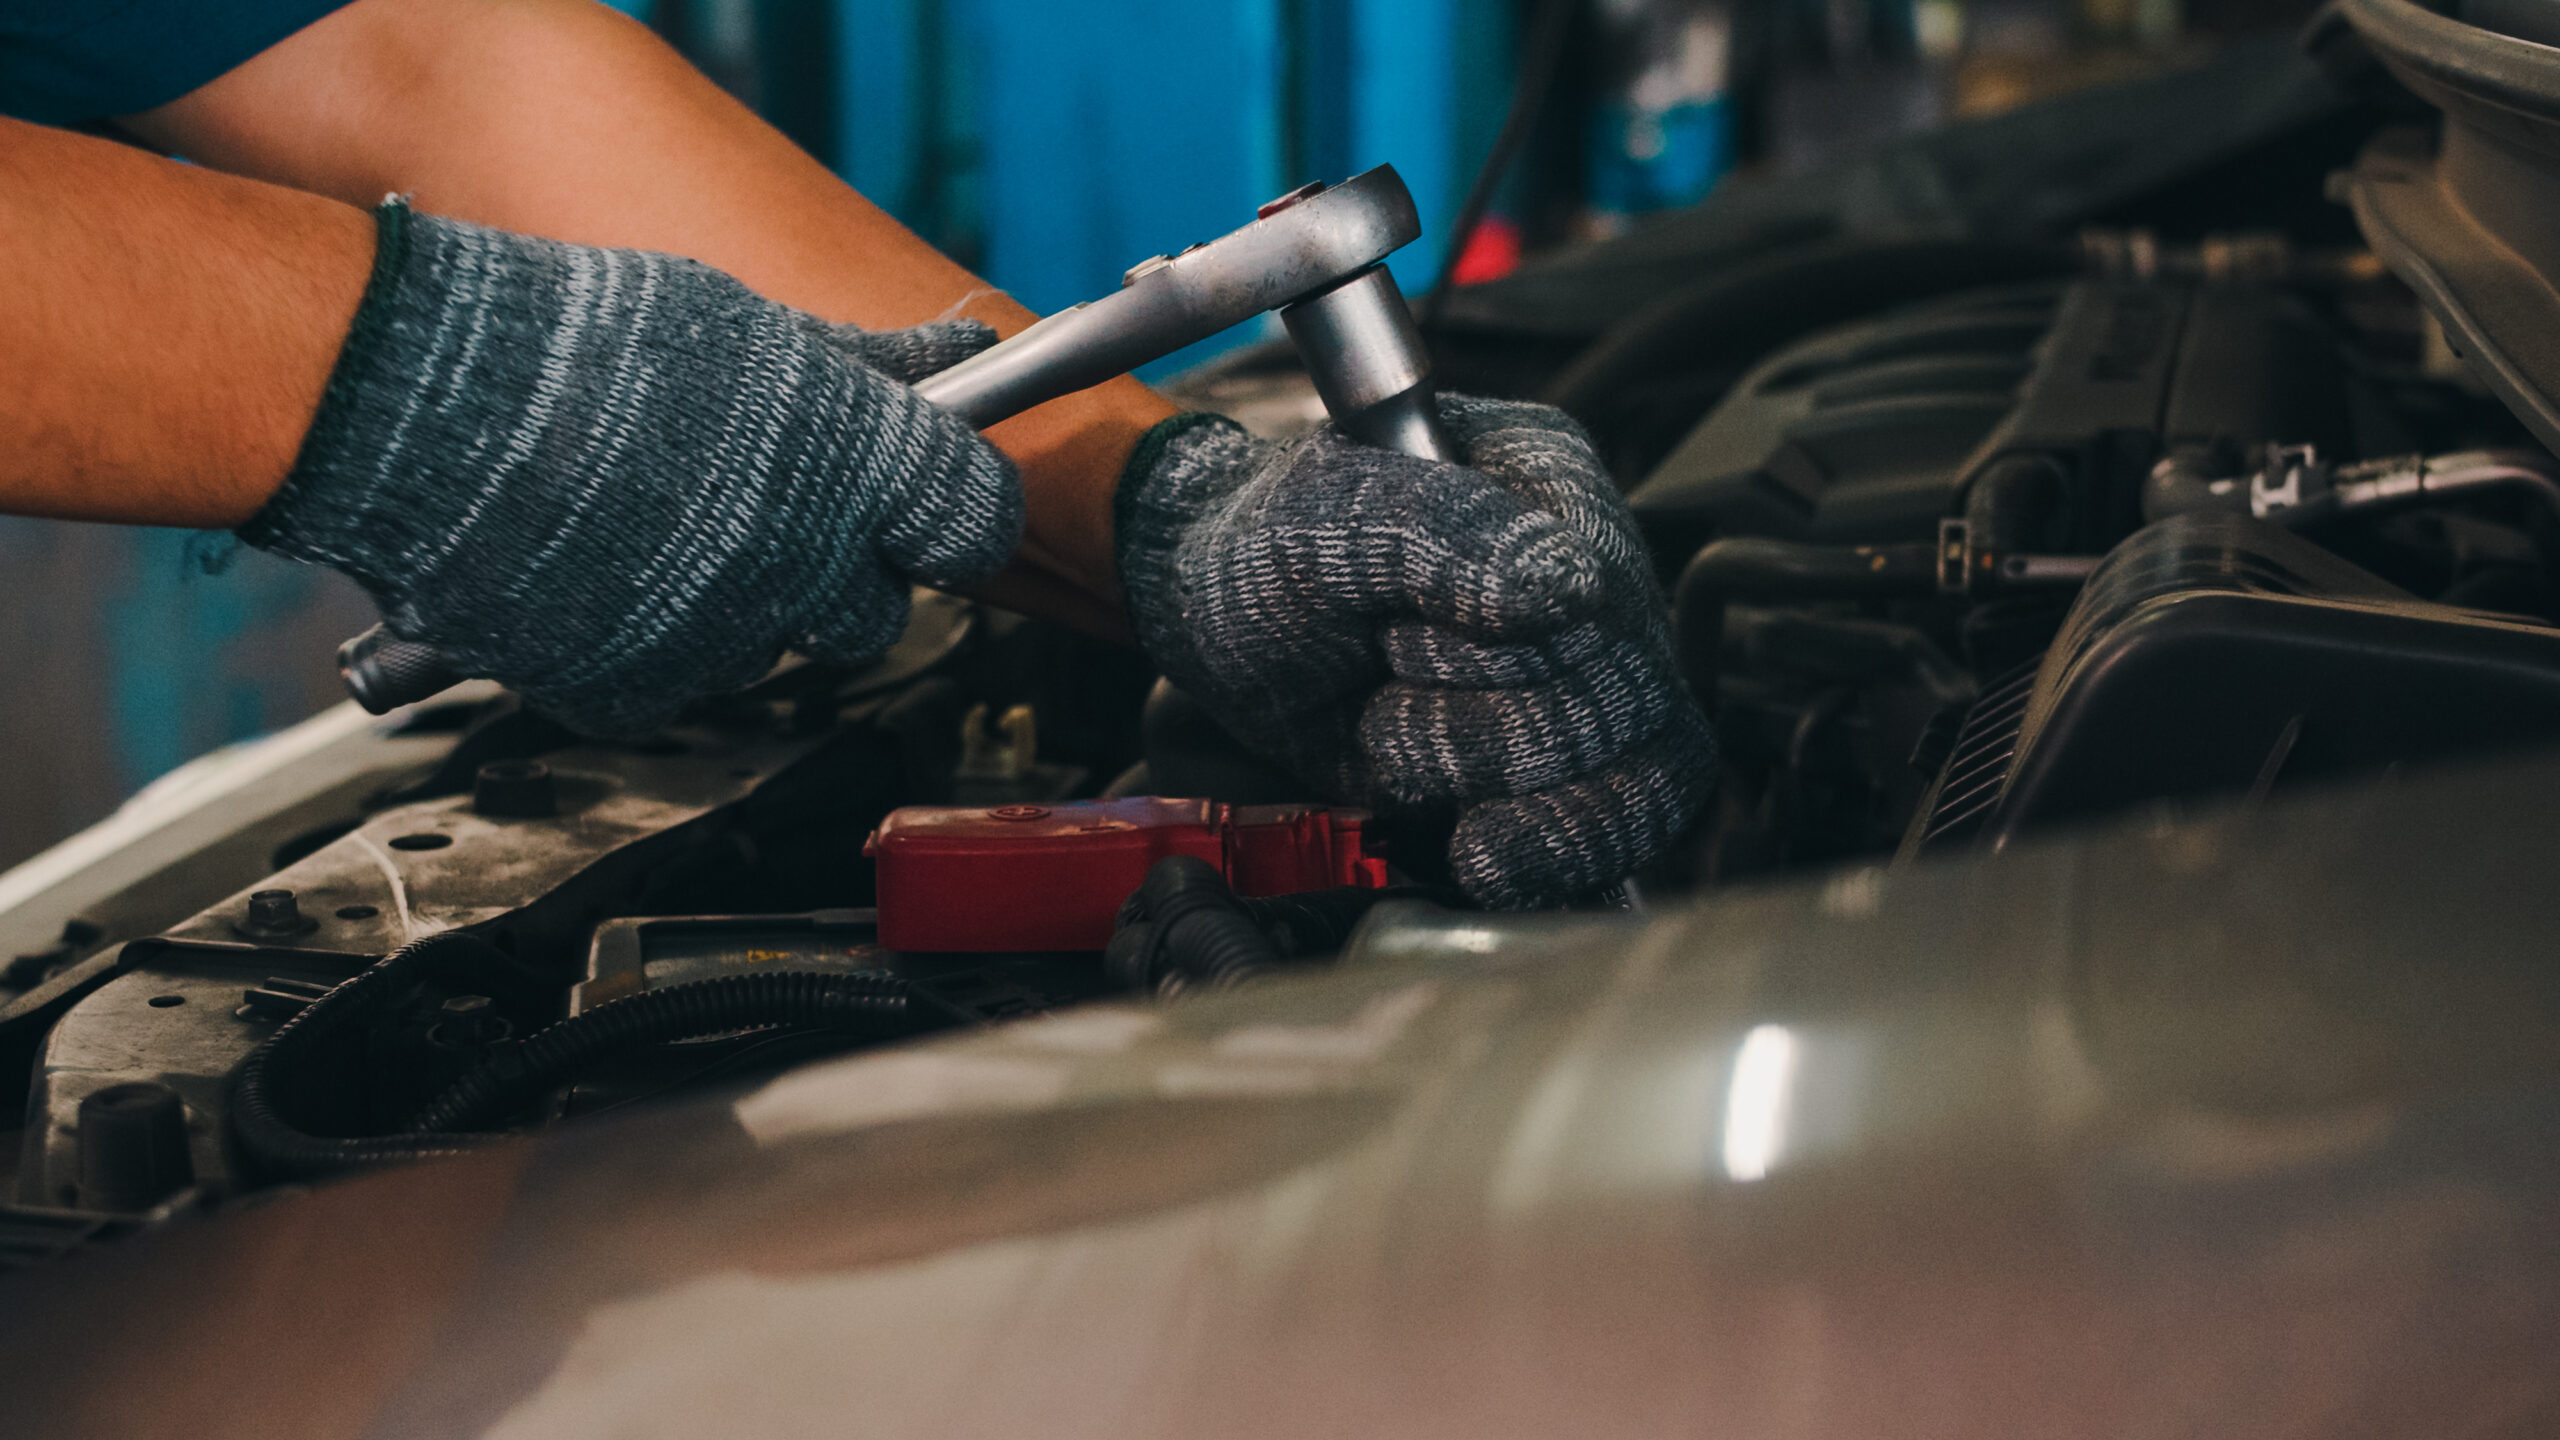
(1367, 359)
(2295, 486)
(2048, 569)
(2530, 471)
(2242, 1126)
(1174, 300)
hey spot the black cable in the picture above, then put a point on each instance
(513, 1075)
(756, 1050)
(1186, 929)
(1533, 80)
(284, 1149)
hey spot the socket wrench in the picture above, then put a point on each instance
(1313, 255)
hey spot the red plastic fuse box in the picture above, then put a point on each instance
(1051, 877)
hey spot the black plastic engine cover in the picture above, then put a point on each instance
(2218, 654)
(1869, 433)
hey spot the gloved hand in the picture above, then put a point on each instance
(1396, 630)
(616, 480)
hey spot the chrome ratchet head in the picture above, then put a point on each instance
(1312, 254)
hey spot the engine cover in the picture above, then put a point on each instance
(1870, 432)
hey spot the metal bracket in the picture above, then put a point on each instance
(1955, 556)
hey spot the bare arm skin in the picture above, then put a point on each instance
(164, 331)
(562, 118)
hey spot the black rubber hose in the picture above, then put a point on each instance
(284, 1149)
(1320, 922)
(2021, 505)
(1183, 930)
(1752, 567)
(1186, 929)
(513, 1075)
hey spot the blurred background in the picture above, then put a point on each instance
(1052, 145)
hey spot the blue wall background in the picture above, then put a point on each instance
(1053, 145)
(123, 659)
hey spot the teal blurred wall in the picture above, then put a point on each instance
(120, 658)
(1052, 145)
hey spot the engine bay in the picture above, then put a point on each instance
(2181, 498)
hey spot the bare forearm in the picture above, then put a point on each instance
(166, 331)
(562, 118)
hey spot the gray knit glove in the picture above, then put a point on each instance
(1394, 630)
(616, 480)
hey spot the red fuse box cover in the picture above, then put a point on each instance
(1052, 877)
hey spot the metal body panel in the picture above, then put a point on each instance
(2245, 1124)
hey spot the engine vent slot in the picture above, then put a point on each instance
(1969, 786)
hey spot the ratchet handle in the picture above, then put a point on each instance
(384, 672)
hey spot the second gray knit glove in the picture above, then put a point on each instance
(616, 480)
(1395, 630)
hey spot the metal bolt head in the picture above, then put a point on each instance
(515, 790)
(133, 1146)
(467, 1020)
(273, 915)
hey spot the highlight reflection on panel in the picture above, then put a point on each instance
(1756, 1102)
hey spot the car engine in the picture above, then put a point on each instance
(2180, 483)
